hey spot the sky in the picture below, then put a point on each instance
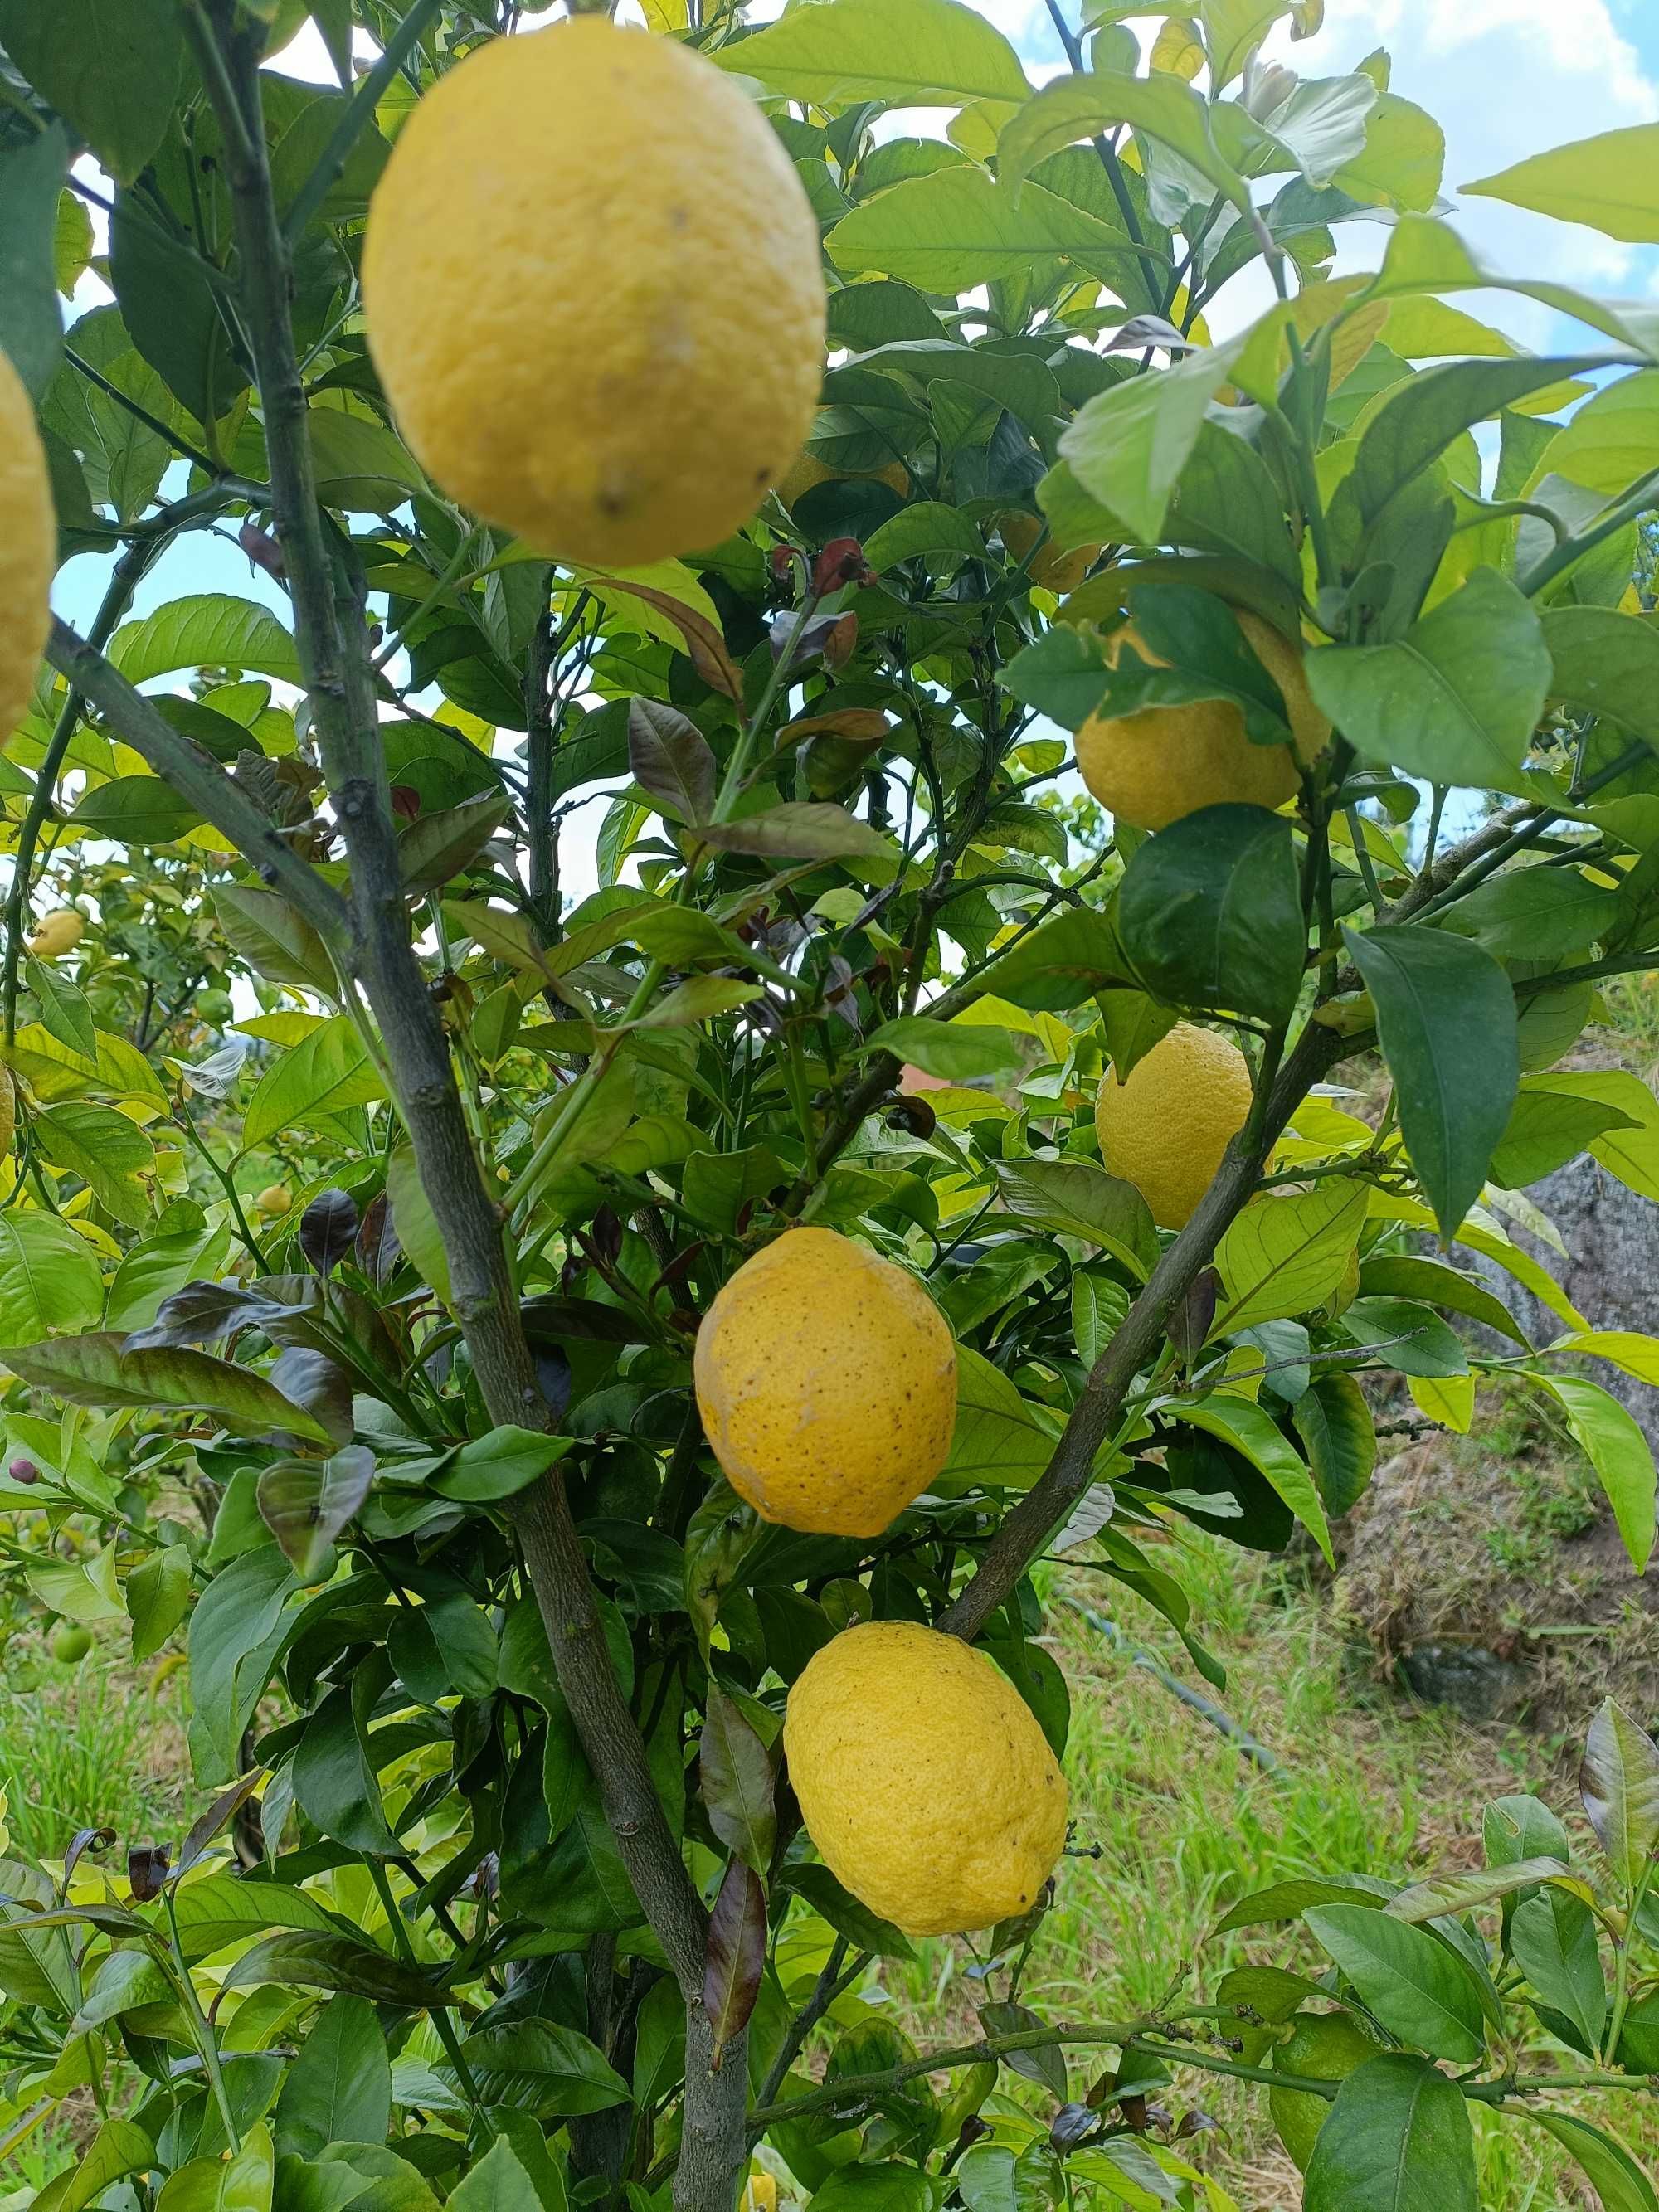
(1506, 78)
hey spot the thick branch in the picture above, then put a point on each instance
(1071, 1470)
(334, 658)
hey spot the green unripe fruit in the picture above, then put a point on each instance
(214, 1006)
(1326, 2046)
(70, 1642)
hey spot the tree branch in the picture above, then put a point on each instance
(195, 774)
(1069, 1473)
(334, 660)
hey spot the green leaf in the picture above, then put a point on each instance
(889, 2186)
(1618, 1450)
(1553, 1940)
(210, 629)
(237, 1630)
(1404, 1336)
(960, 1052)
(1457, 1893)
(1407, 1276)
(31, 327)
(1289, 1900)
(1128, 444)
(1404, 156)
(928, 526)
(1535, 913)
(699, 999)
(1420, 1989)
(322, 1075)
(538, 2066)
(171, 309)
(497, 2183)
(274, 939)
(64, 1011)
(1210, 912)
(119, 2147)
(1610, 182)
(1286, 1254)
(1063, 674)
(1333, 1419)
(109, 67)
(958, 228)
(412, 1217)
(1618, 2181)
(1630, 1153)
(110, 1154)
(499, 1464)
(1605, 663)
(334, 1779)
(1060, 963)
(863, 1928)
(1446, 1020)
(237, 2182)
(306, 1503)
(1619, 1783)
(335, 1962)
(158, 1597)
(1079, 1199)
(997, 1441)
(1457, 699)
(1243, 1425)
(339, 2089)
(49, 1277)
(916, 53)
(1160, 107)
(801, 831)
(97, 1371)
(221, 1909)
(1546, 1129)
(1397, 2139)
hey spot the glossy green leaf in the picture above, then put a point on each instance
(1333, 1418)
(1081, 1200)
(1457, 699)
(499, 1464)
(1418, 1989)
(339, 2089)
(324, 1074)
(1620, 2183)
(959, 1052)
(1243, 1425)
(31, 182)
(1397, 2139)
(1554, 1939)
(1618, 1450)
(97, 1371)
(111, 67)
(1210, 912)
(1609, 182)
(157, 1597)
(308, 1503)
(1619, 1783)
(1286, 1253)
(1446, 1019)
(1160, 107)
(918, 53)
(49, 1277)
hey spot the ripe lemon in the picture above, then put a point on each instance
(826, 1378)
(59, 932)
(593, 293)
(273, 1201)
(28, 548)
(923, 1779)
(1326, 2046)
(1056, 568)
(807, 472)
(1166, 1128)
(1151, 768)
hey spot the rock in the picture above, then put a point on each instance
(1477, 1684)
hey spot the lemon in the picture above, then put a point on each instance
(1150, 768)
(58, 932)
(923, 1779)
(1055, 568)
(273, 1200)
(28, 548)
(1326, 2046)
(826, 1378)
(593, 293)
(807, 472)
(1166, 1128)
(70, 1642)
(762, 2193)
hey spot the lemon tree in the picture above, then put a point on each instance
(858, 887)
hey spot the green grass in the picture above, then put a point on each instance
(1185, 1824)
(86, 1747)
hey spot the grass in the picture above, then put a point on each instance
(1185, 1824)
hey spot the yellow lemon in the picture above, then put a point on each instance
(761, 2194)
(274, 1199)
(28, 548)
(1151, 768)
(1326, 2046)
(1166, 1128)
(923, 1778)
(807, 472)
(826, 1379)
(593, 293)
(1055, 568)
(58, 932)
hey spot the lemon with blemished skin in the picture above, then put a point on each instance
(28, 550)
(593, 292)
(826, 1378)
(923, 1779)
(58, 932)
(1057, 568)
(1325, 2046)
(1166, 1128)
(1151, 768)
(762, 2193)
